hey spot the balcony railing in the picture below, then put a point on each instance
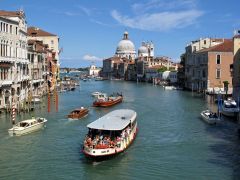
(7, 59)
(6, 82)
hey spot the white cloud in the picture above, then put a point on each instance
(165, 4)
(91, 58)
(87, 11)
(161, 21)
(69, 58)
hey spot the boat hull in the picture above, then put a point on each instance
(78, 116)
(209, 120)
(108, 103)
(16, 131)
(104, 153)
(230, 112)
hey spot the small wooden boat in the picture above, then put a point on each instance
(210, 117)
(102, 100)
(111, 134)
(78, 113)
(27, 126)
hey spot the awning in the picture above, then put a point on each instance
(114, 121)
(5, 65)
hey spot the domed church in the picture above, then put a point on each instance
(126, 48)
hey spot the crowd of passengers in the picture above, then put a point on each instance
(98, 140)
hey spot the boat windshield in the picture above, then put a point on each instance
(23, 124)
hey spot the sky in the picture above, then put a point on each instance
(89, 31)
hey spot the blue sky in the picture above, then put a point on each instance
(90, 30)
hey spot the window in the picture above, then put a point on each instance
(194, 48)
(11, 29)
(203, 73)
(52, 42)
(205, 42)
(218, 73)
(16, 30)
(218, 59)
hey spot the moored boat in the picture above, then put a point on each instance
(102, 100)
(78, 113)
(27, 126)
(210, 117)
(36, 100)
(230, 108)
(110, 134)
(169, 88)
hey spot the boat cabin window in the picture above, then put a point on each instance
(24, 124)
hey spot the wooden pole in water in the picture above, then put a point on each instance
(13, 112)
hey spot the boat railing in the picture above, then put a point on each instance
(100, 142)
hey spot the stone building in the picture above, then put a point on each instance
(14, 66)
(94, 71)
(207, 65)
(38, 58)
(52, 41)
(235, 67)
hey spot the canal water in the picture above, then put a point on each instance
(172, 143)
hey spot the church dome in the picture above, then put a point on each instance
(125, 46)
(142, 50)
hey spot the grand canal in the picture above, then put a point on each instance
(173, 143)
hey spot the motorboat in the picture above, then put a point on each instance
(78, 113)
(102, 100)
(230, 108)
(96, 94)
(111, 134)
(169, 88)
(27, 126)
(210, 117)
(98, 78)
(36, 100)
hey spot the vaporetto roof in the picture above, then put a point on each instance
(114, 121)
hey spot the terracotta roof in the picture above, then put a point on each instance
(226, 46)
(12, 13)
(34, 31)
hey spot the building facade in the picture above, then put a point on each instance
(235, 67)
(94, 71)
(38, 58)
(14, 66)
(207, 65)
(52, 41)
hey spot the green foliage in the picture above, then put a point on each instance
(162, 69)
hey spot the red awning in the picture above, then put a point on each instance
(5, 65)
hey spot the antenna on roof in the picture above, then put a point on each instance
(21, 9)
(235, 32)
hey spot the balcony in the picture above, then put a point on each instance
(25, 77)
(6, 82)
(7, 59)
(37, 80)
